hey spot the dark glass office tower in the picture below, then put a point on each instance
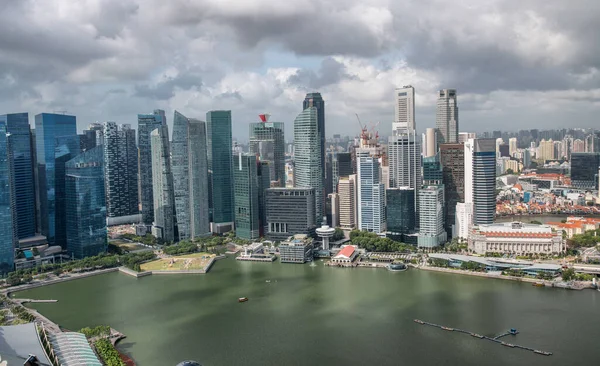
(49, 128)
(584, 170)
(246, 188)
(400, 210)
(484, 181)
(146, 124)
(220, 166)
(120, 170)
(7, 232)
(85, 204)
(316, 100)
(17, 127)
(67, 148)
(452, 159)
(432, 171)
(264, 183)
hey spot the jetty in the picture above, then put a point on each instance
(495, 339)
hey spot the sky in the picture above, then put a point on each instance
(515, 64)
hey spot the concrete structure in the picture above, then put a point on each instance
(346, 256)
(463, 220)
(446, 116)
(21, 345)
(8, 234)
(347, 195)
(452, 160)
(289, 211)
(512, 146)
(296, 249)
(325, 232)
(404, 109)
(464, 136)
(515, 238)
(371, 194)
(220, 165)
(431, 233)
(267, 141)
(334, 198)
(146, 124)
(165, 222)
(245, 178)
(546, 150)
(404, 153)
(431, 147)
(308, 168)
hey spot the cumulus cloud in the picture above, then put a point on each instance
(515, 63)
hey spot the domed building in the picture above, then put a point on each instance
(188, 363)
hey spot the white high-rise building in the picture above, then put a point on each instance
(404, 152)
(464, 136)
(404, 109)
(446, 116)
(431, 206)
(371, 194)
(512, 146)
(430, 143)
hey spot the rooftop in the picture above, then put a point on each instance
(18, 342)
(347, 251)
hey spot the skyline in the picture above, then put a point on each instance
(533, 64)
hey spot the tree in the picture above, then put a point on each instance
(338, 234)
(535, 222)
(510, 171)
(568, 274)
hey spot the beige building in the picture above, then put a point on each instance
(347, 202)
(546, 150)
(515, 238)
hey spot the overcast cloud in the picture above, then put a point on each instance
(516, 64)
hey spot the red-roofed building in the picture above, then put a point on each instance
(346, 255)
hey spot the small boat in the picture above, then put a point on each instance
(446, 328)
(477, 335)
(419, 321)
(268, 281)
(542, 352)
(507, 344)
(242, 299)
(538, 284)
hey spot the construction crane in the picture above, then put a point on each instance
(363, 129)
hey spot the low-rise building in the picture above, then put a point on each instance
(296, 249)
(575, 225)
(515, 238)
(346, 256)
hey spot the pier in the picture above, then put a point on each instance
(494, 339)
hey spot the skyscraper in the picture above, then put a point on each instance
(347, 202)
(146, 124)
(67, 147)
(512, 146)
(181, 173)
(7, 206)
(264, 183)
(307, 158)
(404, 151)
(120, 170)
(584, 170)
(371, 194)
(48, 128)
(220, 163)
(404, 109)
(246, 186)
(432, 171)
(198, 170)
(165, 224)
(452, 158)
(92, 137)
(85, 204)
(431, 206)
(446, 116)
(316, 100)
(17, 129)
(400, 210)
(290, 211)
(480, 179)
(268, 143)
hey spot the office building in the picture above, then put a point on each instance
(404, 109)
(452, 159)
(432, 170)
(480, 179)
(404, 153)
(19, 139)
(8, 235)
(584, 170)
(315, 100)
(56, 143)
(120, 170)
(296, 249)
(268, 143)
(347, 202)
(86, 204)
(526, 158)
(430, 146)
(146, 124)
(165, 223)
(516, 238)
(92, 137)
(246, 187)
(431, 206)
(334, 198)
(290, 211)
(400, 210)
(464, 136)
(446, 117)
(220, 164)
(371, 194)
(264, 183)
(307, 158)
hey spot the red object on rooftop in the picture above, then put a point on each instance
(264, 117)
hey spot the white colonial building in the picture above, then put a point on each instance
(516, 238)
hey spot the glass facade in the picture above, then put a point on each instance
(146, 124)
(400, 210)
(268, 142)
(219, 146)
(246, 186)
(316, 100)
(86, 204)
(7, 233)
(432, 170)
(181, 173)
(264, 183)
(165, 223)
(584, 170)
(371, 194)
(199, 197)
(67, 148)
(452, 158)
(49, 127)
(484, 181)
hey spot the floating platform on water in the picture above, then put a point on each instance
(496, 339)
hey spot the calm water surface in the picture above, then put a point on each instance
(328, 316)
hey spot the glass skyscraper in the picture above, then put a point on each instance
(86, 204)
(404, 151)
(49, 127)
(146, 124)
(7, 213)
(584, 170)
(165, 223)
(446, 117)
(481, 187)
(220, 163)
(268, 142)
(67, 148)
(371, 194)
(400, 210)
(316, 100)
(432, 171)
(246, 186)
(264, 183)
(17, 127)
(452, 158)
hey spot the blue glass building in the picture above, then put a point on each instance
(85, 204)
(49, 127)
(7, 233)
(220, 164)
(146, 124)
(17, 126)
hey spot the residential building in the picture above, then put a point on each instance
(546, 150)
(400, 210)
(515, 238)
(19, 139)
(584, 170)
(315, 100)
(371, 194)
(246, 187)
(165, 222)
(267, 141)
(8, 234)
(308, 171)
(92, 137)
(404, 153)
(120, 170)
(86, 204)
(512, 146)
(220, 164)
(296, 249)
(290, 211)
(452, 159)
(146, 124)
(56, 143)
(431, 231)
(446, 117)
(404, 109)
(347, 198)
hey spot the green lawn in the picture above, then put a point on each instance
(193, 261)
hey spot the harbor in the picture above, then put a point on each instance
(496, 339)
